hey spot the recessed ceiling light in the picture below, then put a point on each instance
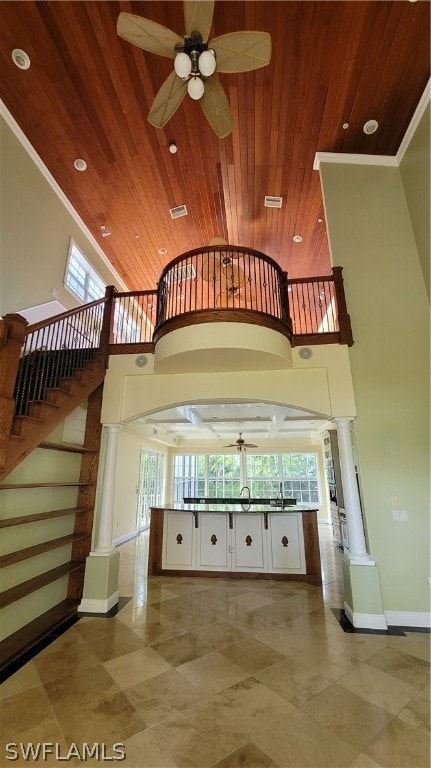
(319, 221)
(104, 231)
(80, 164)
(173, 149)
(163, 251)
(20, 58)
(345, 126)
(297, 238)
(370, 126)
(137, 236)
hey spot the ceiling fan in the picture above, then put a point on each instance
(241, 444)
(196, 61)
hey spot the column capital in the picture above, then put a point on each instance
(343, 421)
(113, 428)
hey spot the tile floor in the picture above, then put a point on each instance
(193, 673)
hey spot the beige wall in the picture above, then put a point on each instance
(35, 232)
(371, 235)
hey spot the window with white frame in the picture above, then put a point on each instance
(218, 475)
(80, 277)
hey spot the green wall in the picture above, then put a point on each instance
(415, 172)
(35, 232)
(371, 235)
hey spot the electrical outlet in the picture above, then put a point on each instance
(394, 500)
(400, 514)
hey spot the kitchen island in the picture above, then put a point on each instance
(231, 540)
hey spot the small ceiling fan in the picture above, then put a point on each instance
(241, 444)
(196, 61)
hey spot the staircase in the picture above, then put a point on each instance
(62, 382)
(46, 371)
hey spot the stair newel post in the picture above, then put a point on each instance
(12, 333)
(107, 323)
(344, 324)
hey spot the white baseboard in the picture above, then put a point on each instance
(365, 620)
(408, 618)
(98, 606)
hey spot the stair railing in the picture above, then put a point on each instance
(37, 357)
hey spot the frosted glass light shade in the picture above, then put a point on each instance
(207, 63)
(195, 88)
(182, 65)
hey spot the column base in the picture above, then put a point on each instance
(100, 583)
(363, 600)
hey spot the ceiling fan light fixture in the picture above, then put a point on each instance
(182, 65)
(195, 88)
(207, 63)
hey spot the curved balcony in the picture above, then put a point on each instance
(231, 284)
(222, 284)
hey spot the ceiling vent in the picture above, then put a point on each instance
(273, 202)
(177, 212)
(178, 274)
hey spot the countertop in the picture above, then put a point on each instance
(178, 506)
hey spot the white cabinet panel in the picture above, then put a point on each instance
(248, 542)
(213, 546)
(178, 540)
(286, 543)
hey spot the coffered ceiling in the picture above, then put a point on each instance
(87, 94)
(258, 422)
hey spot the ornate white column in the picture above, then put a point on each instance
(357, 548)
(106, 509)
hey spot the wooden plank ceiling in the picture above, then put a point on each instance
(87, 95)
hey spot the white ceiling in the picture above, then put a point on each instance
(224, 421)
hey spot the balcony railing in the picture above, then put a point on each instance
(232, 283)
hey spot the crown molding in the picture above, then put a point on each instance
(388, 160)
(414, 122)
(347, 158)
(22, 138)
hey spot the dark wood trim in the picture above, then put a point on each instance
(87, 490)
(37, 549)
(32, 585)
(8, 522)
(155, 546)
(23, 639)
(313, 339)
(344, 324)
(256, 575)
(311, 545)
(13, 486)
(221, 316)
(137, 348)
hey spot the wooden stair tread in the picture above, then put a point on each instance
(38, 549)
(21, 640)
(37, 582)
(9, 522)
(13, 486)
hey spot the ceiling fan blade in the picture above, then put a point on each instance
(168, 99)
(241, 51)
(198, 16)
(148, 35)
(216, 107)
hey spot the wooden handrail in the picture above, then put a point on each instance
(64, 315)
